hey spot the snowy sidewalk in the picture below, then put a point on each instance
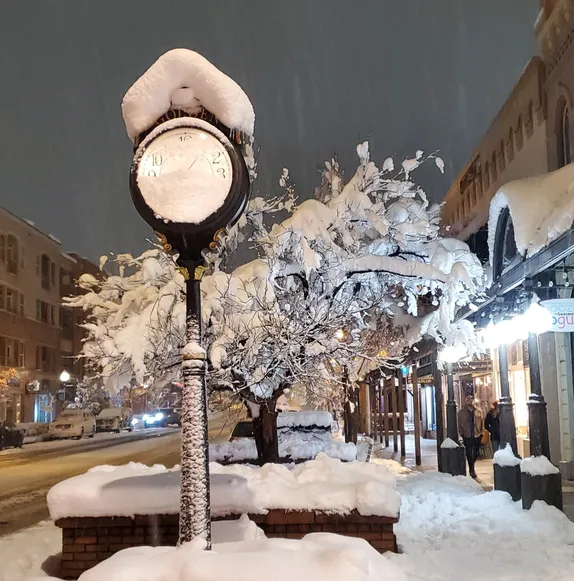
(484, 468)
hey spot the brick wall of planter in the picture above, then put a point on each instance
(88, 541)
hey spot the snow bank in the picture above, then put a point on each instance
(541, 207)
(538, 466)
(183, 79)
(317, 557)
(323, 484)
(450, 529)
(305, 419)
(505, 457)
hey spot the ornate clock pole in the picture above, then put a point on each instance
(189, 181)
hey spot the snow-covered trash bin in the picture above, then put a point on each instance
(453, 458)
(507, 476)
(540, 480)
(112, 508)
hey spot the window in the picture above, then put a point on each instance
(12, 254)
(45, 271)
(564, 141)
(46, 359)
(11, 300)
(21, 354)
(501, 159)
(510, 146)
(494, 176)
(505, 251)
(21, 304)
(38, 266)
(486, 176)
(519, 135)
(52, 315)
(53, 274)
(42, 311)
(530, 120)
(10, 355)
(2, 248)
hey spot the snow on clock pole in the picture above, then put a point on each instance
(192, 128)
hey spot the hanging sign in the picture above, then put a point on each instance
(562, 314)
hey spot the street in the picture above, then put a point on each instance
(27, 474)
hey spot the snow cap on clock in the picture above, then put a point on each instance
(183, 79)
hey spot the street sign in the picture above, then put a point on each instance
(562, 314)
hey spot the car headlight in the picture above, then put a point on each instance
(158, 416)
(145, 417)
(134, 421)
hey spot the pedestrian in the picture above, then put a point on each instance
(492, 424)
(470, 426)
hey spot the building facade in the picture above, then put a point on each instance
(38, 338)
(531, 135)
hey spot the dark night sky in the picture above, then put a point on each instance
(322, 75)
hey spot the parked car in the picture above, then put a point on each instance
(162, 418)
(73, 423)
(10, 436)
(114, 420)
(242, 430)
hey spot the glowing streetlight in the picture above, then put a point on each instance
(340, 335)
(64, 376)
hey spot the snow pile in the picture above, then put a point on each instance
(34, 552)
(538, 466)
(291, 447)
(31, 553)
(317, 557)
(505, 457)
(541, 207)
(183, 79)
(449, 443)
(305, 419)
(323, 484)
(450, 529)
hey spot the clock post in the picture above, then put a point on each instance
(189, 182)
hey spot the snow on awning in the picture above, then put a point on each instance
(541, 208)
(183, 79)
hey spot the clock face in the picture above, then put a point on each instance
(185, 174)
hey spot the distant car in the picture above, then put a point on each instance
(73, 423)
(242, 430)
(162, 418)
(114, 420)
(10, 436)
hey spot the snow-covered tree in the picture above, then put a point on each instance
(357, 274)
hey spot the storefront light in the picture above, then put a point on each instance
(452, 354)
(535, 320)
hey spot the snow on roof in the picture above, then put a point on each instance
(541, 207)
(183, 79)
(323, 484)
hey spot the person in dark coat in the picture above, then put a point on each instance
(470, 426)
(492, 424)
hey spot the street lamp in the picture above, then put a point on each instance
(64, 376)
(189, 181)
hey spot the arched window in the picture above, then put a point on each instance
(519, 135)
(563, 134)
(494, 173)
(505, 251)
(501, 158)
(510, 146)
(12, 254)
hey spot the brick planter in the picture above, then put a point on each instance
(89, 541)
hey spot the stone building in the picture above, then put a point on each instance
(38, 338)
